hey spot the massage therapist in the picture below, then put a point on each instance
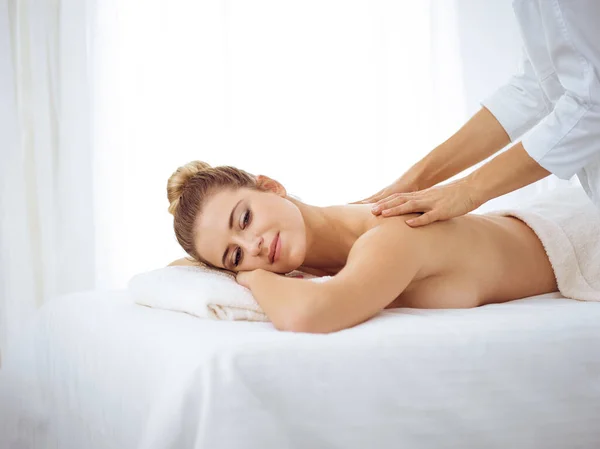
(555, 96)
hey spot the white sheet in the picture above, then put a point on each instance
(113, 374)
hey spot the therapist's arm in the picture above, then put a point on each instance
(513, 109)
(481, 137)
(505, 173)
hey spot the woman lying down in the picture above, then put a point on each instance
(229, 219)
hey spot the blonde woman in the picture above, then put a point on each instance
(229, 219)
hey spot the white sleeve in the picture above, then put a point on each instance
(569, 137)
(521, 103)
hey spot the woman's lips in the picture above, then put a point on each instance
(277, 249)
(274, 249)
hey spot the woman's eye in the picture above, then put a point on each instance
(246, 219)
(237, 257)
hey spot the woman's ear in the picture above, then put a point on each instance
(265, 183)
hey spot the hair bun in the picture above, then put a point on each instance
(179, 179)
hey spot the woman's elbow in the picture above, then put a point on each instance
(316, 312)
(305, 319)
(296, 322)
(305, 326)
(313, 323)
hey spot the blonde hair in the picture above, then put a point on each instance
(187, 189)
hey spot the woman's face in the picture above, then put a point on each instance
(245, 229)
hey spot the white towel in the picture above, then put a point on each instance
(199, 291)
(568, 224)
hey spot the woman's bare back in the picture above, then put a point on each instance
(473, 260)
(489, 259)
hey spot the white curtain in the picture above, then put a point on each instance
(47, 224)
(102, 100)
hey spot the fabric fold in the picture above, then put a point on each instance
(568, 224)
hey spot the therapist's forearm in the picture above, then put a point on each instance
(479, 138)
(505, 173)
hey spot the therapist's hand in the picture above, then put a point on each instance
(401, 185)
(435, 203)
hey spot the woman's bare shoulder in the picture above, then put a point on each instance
(359, 219)
(381, 264)
(374, 221)
(401, 242)
(185, 261)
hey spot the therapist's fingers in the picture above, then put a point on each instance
(392, 199)
(389, 202)
(423, 220)
(408, 207)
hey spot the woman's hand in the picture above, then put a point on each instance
(436, 203)
(245, 277)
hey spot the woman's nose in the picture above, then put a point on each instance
(255, 246)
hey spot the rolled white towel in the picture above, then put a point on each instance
(198, 291)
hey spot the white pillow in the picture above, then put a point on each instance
(199, 291)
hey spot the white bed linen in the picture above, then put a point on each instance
(112, 374)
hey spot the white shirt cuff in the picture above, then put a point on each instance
(566, 139)
(513, 112)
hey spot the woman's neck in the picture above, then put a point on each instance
(330, 233)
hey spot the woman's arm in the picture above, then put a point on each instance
(284, 300)
(380, 266)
